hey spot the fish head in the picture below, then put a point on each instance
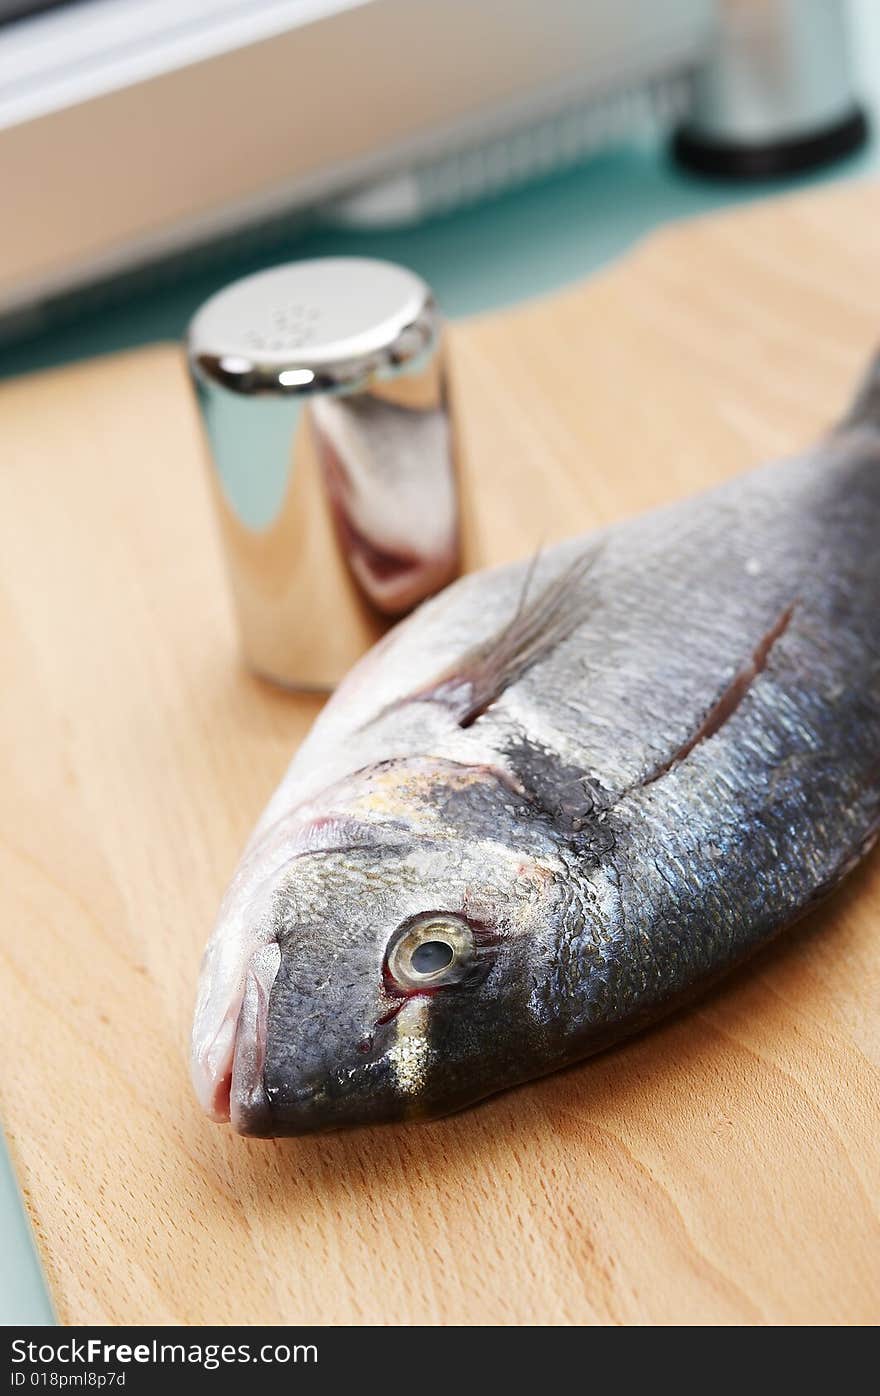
(391, 978)
(398, 987)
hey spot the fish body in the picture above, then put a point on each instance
(558, 800)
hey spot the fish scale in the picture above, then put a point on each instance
(590, 782)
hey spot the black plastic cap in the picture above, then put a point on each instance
(722, 160)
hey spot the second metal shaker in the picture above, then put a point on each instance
(322, 390)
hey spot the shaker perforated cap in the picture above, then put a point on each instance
(327, 324)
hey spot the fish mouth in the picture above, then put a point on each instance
(237, 973)
(241, 1096)
(230, 1085)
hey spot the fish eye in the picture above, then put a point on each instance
(431, 952)
(431, 956)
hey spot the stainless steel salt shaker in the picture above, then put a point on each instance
(323, 394)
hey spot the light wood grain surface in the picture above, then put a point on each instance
(721, 1169)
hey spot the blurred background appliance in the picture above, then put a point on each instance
(137, 131)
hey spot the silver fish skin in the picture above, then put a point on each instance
(558, 800)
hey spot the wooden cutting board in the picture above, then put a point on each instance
(721, 1169)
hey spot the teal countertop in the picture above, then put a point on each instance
(520, 245)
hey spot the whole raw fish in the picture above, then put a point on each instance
(556, 801)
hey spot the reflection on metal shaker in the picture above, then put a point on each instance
(323, 394)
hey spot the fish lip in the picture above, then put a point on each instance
(249, 1109)
(211, 1073)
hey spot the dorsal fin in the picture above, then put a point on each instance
(538, 625)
